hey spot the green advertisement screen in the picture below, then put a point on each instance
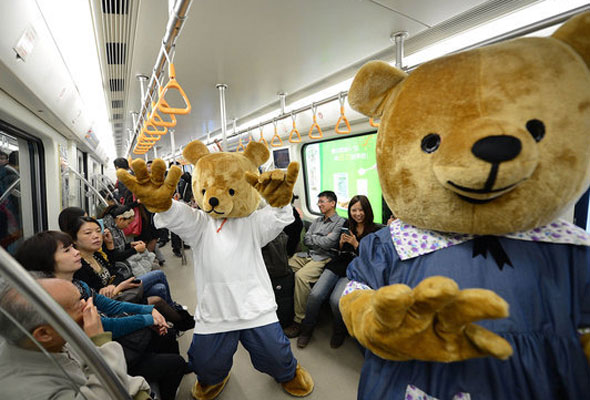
(347, 167)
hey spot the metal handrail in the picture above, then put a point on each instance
(72, 170)
(172, 31)
(62, 323)
(9, 190)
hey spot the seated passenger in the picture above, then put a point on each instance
(53, 253)
(68, 216)
(27, 373)
(99, 273)
(140, 260)
(333, 280)
(321, 238)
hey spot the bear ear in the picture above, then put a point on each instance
(194, 151)
(371, 85)
(576, 33)
(257, 153)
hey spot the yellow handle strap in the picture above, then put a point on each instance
(262, 139)
(276, 136)
(373, 123)
(240, 148)
(173, 84)
(152, 129)
(340, 120)
(315, 125)
(157, 120)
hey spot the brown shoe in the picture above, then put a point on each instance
(293, 330)
(336, 340)
(301, 385)
(208, 392)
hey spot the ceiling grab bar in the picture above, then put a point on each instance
(262, 139)
(342, 117)
(294, 130)
(155, 118)
(314, 110)
(62, 323)
(173, 84)
(276, 136)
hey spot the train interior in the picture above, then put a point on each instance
(81, 82)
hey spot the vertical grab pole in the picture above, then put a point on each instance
(398, 38)
(222, 87)
(172, 144)
(282, 99)
(155, 152)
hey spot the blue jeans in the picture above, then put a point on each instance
(328, 285)
(156, 284)
(211, 356)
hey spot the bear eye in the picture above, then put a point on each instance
(203, 191)
(430, 143)
(231, 192)
(536, 128)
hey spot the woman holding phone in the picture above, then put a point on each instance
(333, 280)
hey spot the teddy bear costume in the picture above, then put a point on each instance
(478, 154)
(235, 300)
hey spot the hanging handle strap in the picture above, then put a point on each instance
(262, 139)
(171, 85)
(294, 131)
(373, 123)
(315, 125)
(152, 129)
(342, 118)
(155, 118)
(276, 136)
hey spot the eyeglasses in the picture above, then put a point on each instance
(324, 201)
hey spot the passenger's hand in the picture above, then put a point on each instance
(92, 324)
(139, 246)
(152, 189)
(350, 239)
(108, 291)
(432, 322)
(159, 319)
(390, 220)
(276, 187)
(126, 284)
(107, 238)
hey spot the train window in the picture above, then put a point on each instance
(281, 158)
(346, 166)
(22, 204)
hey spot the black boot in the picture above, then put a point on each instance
(339, 333)
(305, 335)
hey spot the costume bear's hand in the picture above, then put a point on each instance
(433, 322)
(154, 192)
(276, 187)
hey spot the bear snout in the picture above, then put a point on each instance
(497, 149)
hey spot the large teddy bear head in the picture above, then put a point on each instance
(488, 141)
(219, 184)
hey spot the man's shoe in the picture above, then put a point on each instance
(304, 335)
(303, 341)
(186, 246)
(162, 243)
(337, 340)
(177, 253)
(293, 330)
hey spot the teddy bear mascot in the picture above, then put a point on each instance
(478, 155)
(235, 299)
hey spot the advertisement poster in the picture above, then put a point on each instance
(346, 166)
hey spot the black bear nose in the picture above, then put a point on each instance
(496, 149)
(213, 201)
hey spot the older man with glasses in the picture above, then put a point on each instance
(321, 240)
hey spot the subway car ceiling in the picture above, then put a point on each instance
(73, 65)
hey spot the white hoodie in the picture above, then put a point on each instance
(233, 287)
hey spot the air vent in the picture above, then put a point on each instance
(117, 85)
(117, 103)
(118, 125)
(115, 6)
(117, 116)
(116, 53)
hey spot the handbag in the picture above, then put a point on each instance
(132, 295)
(135, 344)
(134, 228)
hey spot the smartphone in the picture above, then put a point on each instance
(345, 230)
(136, 280)
(94, 297)
(101, 223)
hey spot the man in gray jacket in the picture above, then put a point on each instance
(26, 372)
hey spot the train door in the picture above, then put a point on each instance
(22, 188)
